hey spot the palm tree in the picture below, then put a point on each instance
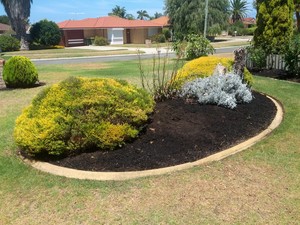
(142, 14)
(118, 11)
(18, 12)
(238, 9)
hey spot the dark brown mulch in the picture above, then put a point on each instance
(276, 74)
(180, 133)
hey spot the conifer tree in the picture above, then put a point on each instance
(274, 24)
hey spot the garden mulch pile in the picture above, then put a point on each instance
(180, 132)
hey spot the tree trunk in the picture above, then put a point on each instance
(18, 12)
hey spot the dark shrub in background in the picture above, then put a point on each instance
(45, 33)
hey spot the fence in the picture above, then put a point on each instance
(272, 62)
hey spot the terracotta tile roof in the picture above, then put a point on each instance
(249, 20)
(4, 27)
(107, 22)
(162, 21)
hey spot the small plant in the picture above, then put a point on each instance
(100, 41)
(162, 83)
(224, 90)
(158, 38)
(19, 72)
(198, 46)
(292, 56)
(179, 48)
(81, 114)
(9, 44)
(45, 33)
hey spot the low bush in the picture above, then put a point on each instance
(80, 114)
(224, 90)
(258, 56)
(158, 38)
(19, 72)
(197, 46)
(9, 44)
(100, 41)
(167, 33)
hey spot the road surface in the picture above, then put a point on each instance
(112, 58)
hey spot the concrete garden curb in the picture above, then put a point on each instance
(89, 175)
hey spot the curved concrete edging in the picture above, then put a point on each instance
(89, 175)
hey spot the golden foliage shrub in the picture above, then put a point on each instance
(81, 114)
(204, 67)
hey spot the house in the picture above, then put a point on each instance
(4, 28)
(117, 30)
(249, 22)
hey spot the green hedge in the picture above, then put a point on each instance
(80, 114)
(9, 44)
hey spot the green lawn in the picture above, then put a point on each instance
(65, 53)
(257, 186)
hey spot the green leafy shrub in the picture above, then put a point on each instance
(250, 30)
(237, 29)
(9, 44)
(258, 56)
(292, 56)
(198, 46)
(19, 72)
(45, 33)
(100, 41)
(167, 33)
(214, 30)
(81, 114)
(158, 38)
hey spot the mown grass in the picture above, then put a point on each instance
(66, 53)
(257, 186)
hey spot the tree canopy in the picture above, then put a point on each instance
(238, 9)
(4, 19)
(18, 12)
(187, 16)
(118, 11)
(142, 14)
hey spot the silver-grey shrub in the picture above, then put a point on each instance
(224, 90)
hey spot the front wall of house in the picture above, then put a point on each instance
(95, 32)
(138, 35)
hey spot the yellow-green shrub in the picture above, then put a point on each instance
(19, 72)
(204, 67)
(80, 114)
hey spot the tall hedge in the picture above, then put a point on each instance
(274, 24)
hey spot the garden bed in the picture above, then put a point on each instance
(180, 132)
